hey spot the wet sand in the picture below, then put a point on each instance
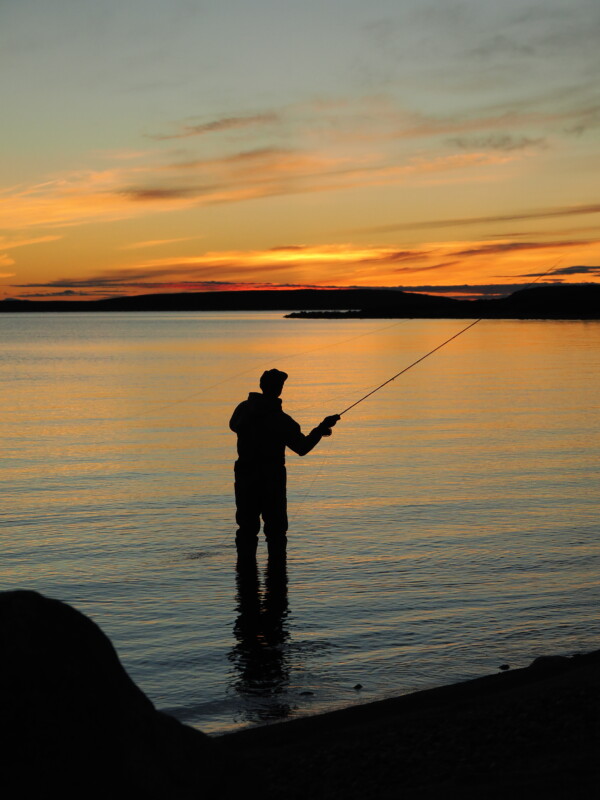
(530, 732)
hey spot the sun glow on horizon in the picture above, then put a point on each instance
(412, 149)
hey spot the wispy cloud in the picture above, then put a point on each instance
(290, 263)
(511, 247)
(66, 293)
(177, 286)
(151, 194)
(345, 264)
(426, 126)
(470, 290)
(499, 141)
(575, 270)
(8, 243)
(272, 172)
(89, 196)
(219, 125)
(548, 213)
(157, 243)
(463, 291)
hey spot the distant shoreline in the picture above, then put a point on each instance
(566, 316)
(572, 301)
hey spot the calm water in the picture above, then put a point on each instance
(449, 526)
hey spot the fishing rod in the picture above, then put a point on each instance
(410, 366)
(193, 395)
(435, 349)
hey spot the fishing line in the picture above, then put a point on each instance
(410, 366)
(308, 492)
(205, 389)
(435, 349)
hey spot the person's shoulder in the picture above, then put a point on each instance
(240, 406)
(289, 421)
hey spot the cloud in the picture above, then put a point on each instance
(177, 285)
(275, 172)
(576, 270)
(343, 265)
(561, 211)
(66, 293)
(464, 291)
(330, 145)
(429, 267)
(220, 125)
(124, 155)
(471, 290)
(151, 194)
(157, 242)
(297, 264)
(260, 154)
(506, 247)
(9, 244)
(528, 234)
(287, 262)
(124, 192)
(426, 126)
(329, 148)
(287, 248)
(500, 141)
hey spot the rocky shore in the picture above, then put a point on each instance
(75, 725)
(525, 733)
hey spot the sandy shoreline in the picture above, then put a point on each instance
(524, 732)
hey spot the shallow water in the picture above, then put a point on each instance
(448, 526)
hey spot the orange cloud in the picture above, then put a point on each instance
(544, 213)
(346, 265)
(157, 243)
(219, 125)
(9, 244)
(106, 195)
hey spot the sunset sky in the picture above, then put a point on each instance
(433, 145)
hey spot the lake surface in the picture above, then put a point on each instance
(450, 524)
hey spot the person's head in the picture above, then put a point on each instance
(271, 382)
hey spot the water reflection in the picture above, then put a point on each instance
(261, 656)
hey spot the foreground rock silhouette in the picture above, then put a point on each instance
(75, 725)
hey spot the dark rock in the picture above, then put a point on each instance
(306, 694)
(76, 725)
(550, 663)
(358, 686)
(504, 667)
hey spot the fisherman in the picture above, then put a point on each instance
(264, 430)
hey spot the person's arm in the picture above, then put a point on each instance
(302, 444)
(239, 417)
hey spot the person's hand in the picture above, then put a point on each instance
(328, 423)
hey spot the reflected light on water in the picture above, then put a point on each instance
(449, 525)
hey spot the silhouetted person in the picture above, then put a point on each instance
(264, 430)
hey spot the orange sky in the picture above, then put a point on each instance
(433, 146)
